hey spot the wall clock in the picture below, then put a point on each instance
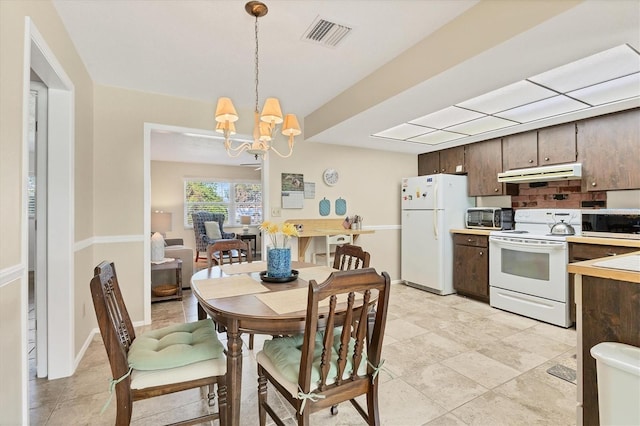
(330, 177)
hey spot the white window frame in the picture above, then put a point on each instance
(231, 205)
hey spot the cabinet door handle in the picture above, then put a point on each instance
(530, 161)
(469, 240)
(611, 254)
(495, 190)
(546, 158)
(593, 184)
(481, 253)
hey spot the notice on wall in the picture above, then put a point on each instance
(310, 190)
(292, 190)
(292, 199)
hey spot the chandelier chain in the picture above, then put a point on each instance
(256, 60)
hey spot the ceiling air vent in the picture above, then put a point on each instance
(325, 32)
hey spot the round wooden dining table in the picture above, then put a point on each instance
(246, 313)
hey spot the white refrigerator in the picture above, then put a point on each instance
(431, 206)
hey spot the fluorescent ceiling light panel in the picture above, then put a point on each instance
(439, 136)
(446, 117)
(511, 96)
(403, 131)
(609, 91)
(613, 63)
(543, 109)
(482, 125)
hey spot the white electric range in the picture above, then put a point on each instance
(528, 266)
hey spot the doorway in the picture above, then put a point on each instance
(37, 208)
(58, 243)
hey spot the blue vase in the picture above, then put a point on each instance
(279, 262)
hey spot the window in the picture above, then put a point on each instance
(234, 199)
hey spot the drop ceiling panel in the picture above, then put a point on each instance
(439, 136)
(543, 109)
(482, 125)
(446, 117)
(609, 64)
(511, 96)
(610, 91)
(404, 131)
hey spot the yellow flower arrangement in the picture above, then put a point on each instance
(286, 230)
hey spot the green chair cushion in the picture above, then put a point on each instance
(175, 346)
(285, 354)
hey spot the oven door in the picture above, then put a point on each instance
(527, 266)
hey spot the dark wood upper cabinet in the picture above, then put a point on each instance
(557, 144)
(452, 160)
(449, 161)
(484, 162)
(609, 149)
(429, 163)
(520, 150)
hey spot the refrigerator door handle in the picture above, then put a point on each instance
(435, 211)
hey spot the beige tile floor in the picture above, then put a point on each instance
(451, 361)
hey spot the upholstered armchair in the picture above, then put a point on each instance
(202, 241)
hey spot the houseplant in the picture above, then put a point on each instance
(279, 252)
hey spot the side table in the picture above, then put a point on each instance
(249, 237)
(176, 265)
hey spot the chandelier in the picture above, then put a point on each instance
(265, 124)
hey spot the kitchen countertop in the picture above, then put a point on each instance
(473, 231)
(588, 268)
(620, 242)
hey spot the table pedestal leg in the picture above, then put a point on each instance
(234, 373)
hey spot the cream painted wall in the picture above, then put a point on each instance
(13, 401)
(120, 116)
(167, 190)
(370, 184)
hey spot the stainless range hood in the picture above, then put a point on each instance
(542, 174)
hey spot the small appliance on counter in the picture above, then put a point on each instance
(497, 218)
(611, 223)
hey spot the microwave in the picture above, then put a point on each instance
(489, 218)
(611, 223)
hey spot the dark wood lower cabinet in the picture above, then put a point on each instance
(610, 312)
(471, 265)
(579, 252)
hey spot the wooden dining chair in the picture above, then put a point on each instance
(350, 257)
(231, 251)
(345, 364)
(160, 361)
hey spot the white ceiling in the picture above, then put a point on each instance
(204, 49)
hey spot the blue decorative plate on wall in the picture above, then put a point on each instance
(341, 207)
(324, 207)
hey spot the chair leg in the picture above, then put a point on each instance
(197, 255)
(222, 400)
(262, 396)
(124, 403)
(251, 342)
(372, 404)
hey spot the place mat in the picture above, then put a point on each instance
(318, 273)
(244, 268)
(235, 285)
(287, 301)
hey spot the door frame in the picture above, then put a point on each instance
(60, 204)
